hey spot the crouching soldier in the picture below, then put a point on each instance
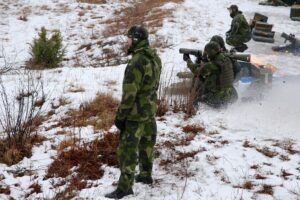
(214, 78)
(136, 114)
(240, 31)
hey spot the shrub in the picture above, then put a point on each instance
(47, 53)
(20, 117)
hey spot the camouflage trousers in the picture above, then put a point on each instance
(218, 99)
(136, 143)
(237, 40)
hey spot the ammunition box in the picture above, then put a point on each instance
(257, 18)
(263, 26)
(260, 17)
(295, 12)
(263, 33)
(262, 39)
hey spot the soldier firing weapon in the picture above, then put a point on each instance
(244, 60)
(292, 47)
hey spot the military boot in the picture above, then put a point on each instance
(118, 194)
(146, 180)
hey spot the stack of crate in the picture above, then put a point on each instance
(261, 29)
(295, 12)
(257, 18)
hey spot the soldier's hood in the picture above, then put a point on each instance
(138, 46)
(235, 14)
(143, 47)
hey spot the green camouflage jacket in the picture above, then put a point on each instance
(239, 25)
(209, 77)
(140, 84)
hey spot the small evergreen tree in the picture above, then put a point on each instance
(47, 53)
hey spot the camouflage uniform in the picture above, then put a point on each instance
(240, 31)
(138, 109)
(214, 83)
(217, 92)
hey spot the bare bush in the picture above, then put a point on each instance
(176, 96)
(20, 116)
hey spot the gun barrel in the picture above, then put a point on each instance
(194, 52)
(241, 57)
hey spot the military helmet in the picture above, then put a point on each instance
(138, 32)
(234, 8)
(218, 39)
(212, 49)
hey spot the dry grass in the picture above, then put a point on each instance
(100, 113)
(248, 185)
(66, 144)
(35, 188)
(5, 190)
(266, 189)
(285, 174)
(260, 177)
(267, 152)
(194, 128)
(92, 1)
(87, 158)
(15, 153)
(288, 146)
(147, 13)
(177, 97)
(162, 107)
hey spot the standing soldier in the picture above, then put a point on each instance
(136, 114)
(240, 31)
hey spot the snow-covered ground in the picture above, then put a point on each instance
(230, 147)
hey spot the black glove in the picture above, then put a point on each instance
(186, 57)
(120, 124)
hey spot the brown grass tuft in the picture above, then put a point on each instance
(254, 167)
(260, 177)
(193, 128)
(248, 185)
(66, 144)
(15, 153)
(100, 113)
(92, 1)
(5, 190)
(247, 144)
(75, 184)
(285, 174)
(88, 158)
(267, 152)
(266, 189)
(162, 108)
(35, 188)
